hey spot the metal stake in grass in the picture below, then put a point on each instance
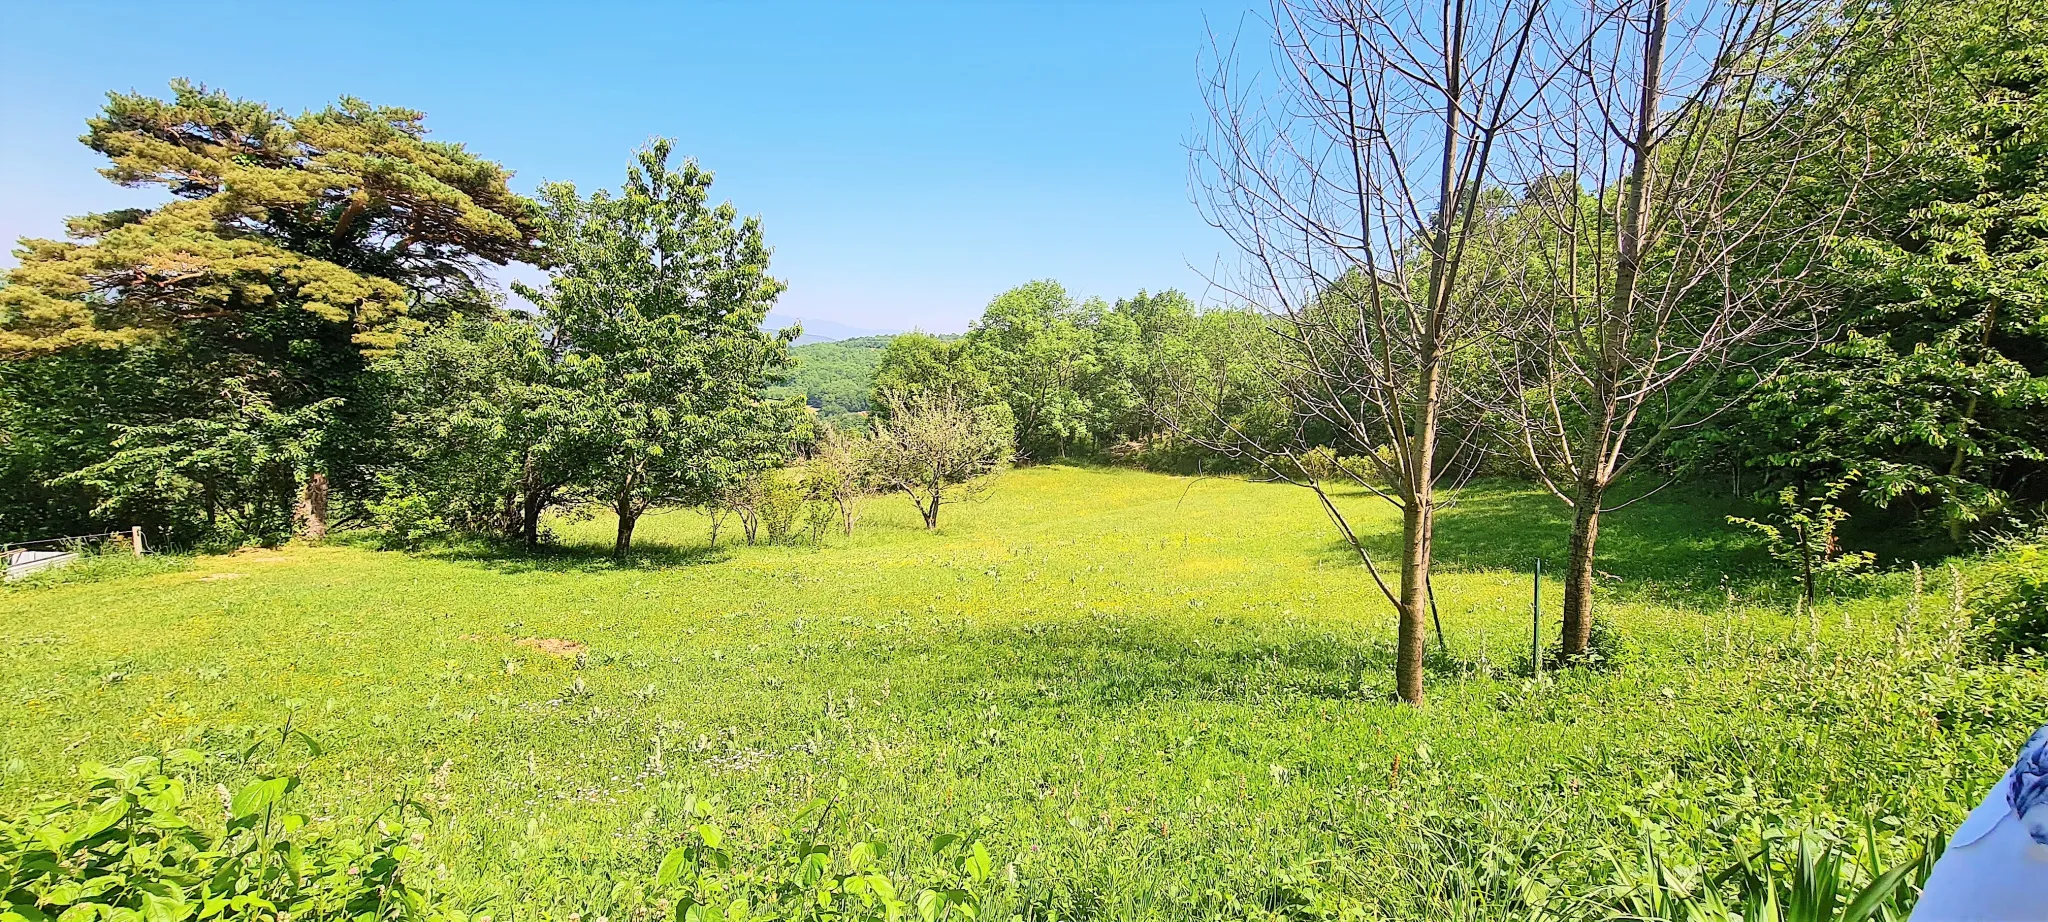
(1536, 620)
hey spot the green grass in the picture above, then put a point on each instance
(1150, 696)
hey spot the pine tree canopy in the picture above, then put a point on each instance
(348, 214)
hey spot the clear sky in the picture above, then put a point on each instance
(908, 160)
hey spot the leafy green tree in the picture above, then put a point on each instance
(920, 363)
(294, 248)
(1218, 384)
(1800, 534)
(1135, 349)
(937, 449)
(1034, 341)
(491, 426)
(658, 296)
(240, 460)
(1935, 384)
(837, 474)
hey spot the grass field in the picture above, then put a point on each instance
(1149, 696)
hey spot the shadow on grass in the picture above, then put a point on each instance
(1674, 544)
(1134, 664)
(507, 557)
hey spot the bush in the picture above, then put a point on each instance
(407, 517)
(130, 851)
(2011, 599)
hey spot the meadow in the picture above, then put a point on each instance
(1146, 696)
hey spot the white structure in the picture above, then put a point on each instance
(21, 563)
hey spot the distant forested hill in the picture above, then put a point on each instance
(835, 377)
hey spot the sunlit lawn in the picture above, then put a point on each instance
(1151, 696)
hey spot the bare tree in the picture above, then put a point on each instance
(1671, 247)
(1360, 187)
(936, 449)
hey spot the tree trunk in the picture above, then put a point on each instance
(1578, 570)
(508, 515)
(1418, 526)
(529, 517)
(931, 514)
(1806, 580)
(1955, 470)
(1416, 521)
(628, 517)
(312, 508)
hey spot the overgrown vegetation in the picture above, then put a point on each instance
(1147, 696)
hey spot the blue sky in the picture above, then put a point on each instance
(908, 160)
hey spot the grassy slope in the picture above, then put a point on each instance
(1152, 695)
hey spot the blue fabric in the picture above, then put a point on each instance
(2028, 795)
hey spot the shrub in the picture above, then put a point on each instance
(1799, 532)
(130, 850)
(407, 517)
(1605, 649)
(2011, 599)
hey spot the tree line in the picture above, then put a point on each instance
(307, 335)
(1789, 245)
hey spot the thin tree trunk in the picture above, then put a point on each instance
(312, 508)
(532, 499)
(628, 517)
(1806, 579)
(1578, 572)
(1416, 521)
(1418, 525)
(508, 515)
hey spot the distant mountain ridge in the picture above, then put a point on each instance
(820, 331)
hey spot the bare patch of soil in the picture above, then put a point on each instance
(554, 646)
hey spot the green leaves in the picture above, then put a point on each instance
(126, 855)
(258, 797)
(656, 299)
(793, 876)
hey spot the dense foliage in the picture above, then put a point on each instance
(656, 301)
(1933, 380)
(133, 849)
(238, 321)
(835, 378)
